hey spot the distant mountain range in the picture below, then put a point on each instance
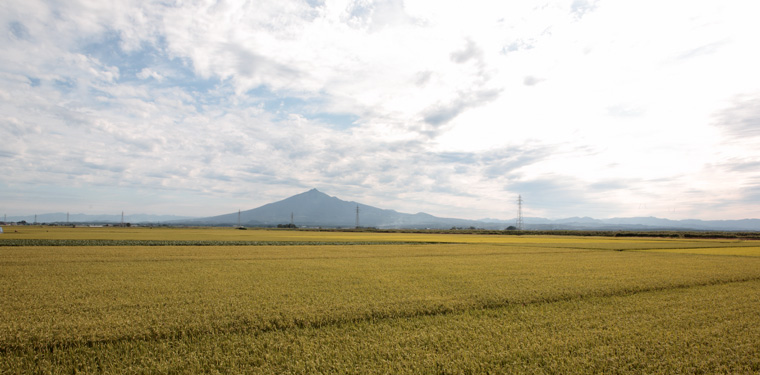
(316, 209)
(634, 223)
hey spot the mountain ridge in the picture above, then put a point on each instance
(314, 208)
(317, 209)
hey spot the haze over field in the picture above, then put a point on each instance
(585, 108)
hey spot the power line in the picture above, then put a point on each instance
(519, 223)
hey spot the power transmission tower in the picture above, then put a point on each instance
(292, 224)
(238, 218)
(519, 213)
(357, 216)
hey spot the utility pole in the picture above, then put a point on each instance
(357, 216)
(519, 223)
(67, 218)
(122, 218)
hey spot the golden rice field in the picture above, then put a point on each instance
(299, 302)
(752, 251)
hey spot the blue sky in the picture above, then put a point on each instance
(585, 108)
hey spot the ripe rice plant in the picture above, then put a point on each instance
(727, 250)
(392, 305)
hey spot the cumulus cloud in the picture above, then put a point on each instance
(422, 78)
(518, 45)
(452, 109)
(470, 51)
(377, 15)
(531, 80)
(146, 73)
(441, 114)
(581, 7)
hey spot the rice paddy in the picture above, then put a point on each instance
(261, 301)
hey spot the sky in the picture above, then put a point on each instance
(198, 108)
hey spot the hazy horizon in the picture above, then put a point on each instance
(584, 108)
(128, 216)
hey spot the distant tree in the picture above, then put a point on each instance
(511, 227)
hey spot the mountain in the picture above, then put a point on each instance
(316, 209)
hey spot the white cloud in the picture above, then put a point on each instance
(586, 108)
(150, 73)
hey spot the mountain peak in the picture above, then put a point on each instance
(314, 208)
(313, 193)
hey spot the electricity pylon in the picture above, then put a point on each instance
(519, 213)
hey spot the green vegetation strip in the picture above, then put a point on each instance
(52, 242)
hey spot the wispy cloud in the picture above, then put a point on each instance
(452, 109)
(742, 118)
